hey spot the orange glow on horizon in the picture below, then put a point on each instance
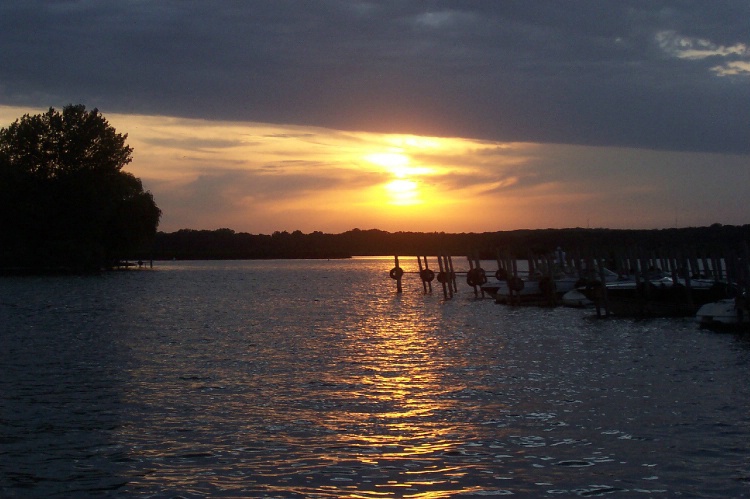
(261, 178)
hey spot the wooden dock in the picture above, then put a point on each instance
(623, 282)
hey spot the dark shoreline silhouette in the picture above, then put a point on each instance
(226, 244)
(66, 204)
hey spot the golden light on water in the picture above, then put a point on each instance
(362, 394)
(402, 407)
(398, 399)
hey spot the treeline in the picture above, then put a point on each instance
(221, 244)
(66, 204)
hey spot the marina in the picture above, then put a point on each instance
(657, 285)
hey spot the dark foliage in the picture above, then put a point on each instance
(226, 244)
(65, 203)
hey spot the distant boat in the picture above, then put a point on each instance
(726, 314)
(535, 288)
(658, 296)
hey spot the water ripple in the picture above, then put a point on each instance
(239, 379)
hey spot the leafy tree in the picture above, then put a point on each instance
(65, 202)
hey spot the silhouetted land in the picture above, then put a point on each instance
(66, 205)
(220, 244)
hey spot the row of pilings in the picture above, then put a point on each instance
(726, 269)
(446, 275)
(686, 266)
(476, 276)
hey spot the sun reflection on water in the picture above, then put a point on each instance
(355, 397)
(400, 425)
(248, 380)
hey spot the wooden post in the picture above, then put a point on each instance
(443, 280)
(476, 261)
(743, 284)
(499, 261)
(577, 266)
(448, 274)
(734, 267)
(646, 290)
(471, 267)
(452, 274)
(532, 266)
(551, 273)
(398, 276)
(697, 266)
(427, 267)
(512, 294)
(603, 280)
(424, 283)
(682, 261)
(716, 270)
(706, 268)
(680, 299)
(591, 278)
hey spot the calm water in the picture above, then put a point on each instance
(315, 379)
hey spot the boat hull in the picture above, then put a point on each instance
(533, 291)
(657, 298)
(727, 314)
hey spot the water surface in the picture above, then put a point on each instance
(316, 379)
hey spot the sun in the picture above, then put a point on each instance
(403, 189)
(395, 162)
(403, 192)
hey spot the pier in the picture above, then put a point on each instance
(623, 282)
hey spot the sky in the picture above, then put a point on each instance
(405, 115)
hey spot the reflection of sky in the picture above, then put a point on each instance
(260, 178)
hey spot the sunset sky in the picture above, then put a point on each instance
(456, 116)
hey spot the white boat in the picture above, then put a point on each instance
(539, 288)
(536, 288)
(575, 299)
(729, 313)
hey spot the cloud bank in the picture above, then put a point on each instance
(644, 74)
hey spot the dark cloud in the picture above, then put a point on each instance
(578, 72)
(193, 144)
(218, 186)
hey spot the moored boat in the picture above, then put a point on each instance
(575, 299)
(536, 288)
(725, 314)
(657, 297)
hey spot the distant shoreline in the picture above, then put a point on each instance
(225, 244)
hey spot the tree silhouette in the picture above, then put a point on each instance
(65, 202)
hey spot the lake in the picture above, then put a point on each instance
(311, 378)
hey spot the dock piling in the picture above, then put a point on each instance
(443, 277)
(421, 274)
(397, 273)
